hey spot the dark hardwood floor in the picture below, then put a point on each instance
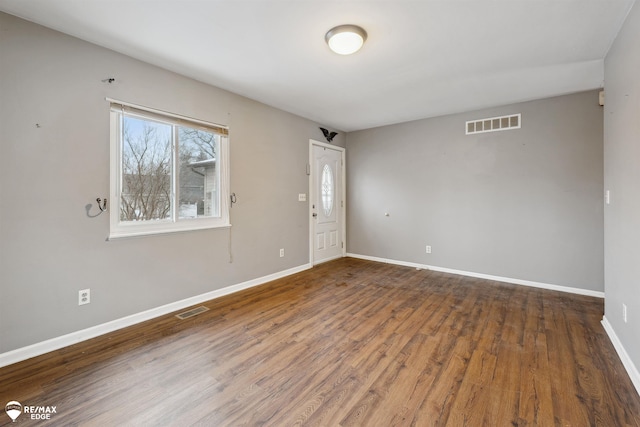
(349, 342)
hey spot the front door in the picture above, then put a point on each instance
(327, 203)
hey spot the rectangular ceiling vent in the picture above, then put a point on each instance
(493, 124)
(192, 312)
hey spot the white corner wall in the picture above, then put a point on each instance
(622, 180)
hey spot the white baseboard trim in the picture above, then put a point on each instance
(52, 344)
(484, 276)
(622, 353)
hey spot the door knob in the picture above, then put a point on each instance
(315, 215)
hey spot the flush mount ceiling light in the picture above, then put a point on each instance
(345, 39)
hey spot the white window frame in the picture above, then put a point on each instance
(120, 229)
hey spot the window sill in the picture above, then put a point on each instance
(125, 234)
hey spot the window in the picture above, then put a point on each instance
(168, 173)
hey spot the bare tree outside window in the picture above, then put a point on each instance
(146, 170)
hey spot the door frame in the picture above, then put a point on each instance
(312, 196)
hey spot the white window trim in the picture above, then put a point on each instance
(120, 229)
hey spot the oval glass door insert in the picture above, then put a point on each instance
(327, 190)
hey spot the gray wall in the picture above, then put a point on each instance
(622, 179)
(523, 204)
(50, 248)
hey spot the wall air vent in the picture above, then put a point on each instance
(192, 312)
(493, 124)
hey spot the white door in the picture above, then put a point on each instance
(327, 204)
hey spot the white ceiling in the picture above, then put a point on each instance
(421, 59)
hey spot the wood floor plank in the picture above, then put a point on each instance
(536, 398)
(570, 407)
(472, 402)
(436, 409)
(346, 343)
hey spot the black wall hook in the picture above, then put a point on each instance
(102, 204)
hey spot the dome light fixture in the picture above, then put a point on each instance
(345, 39)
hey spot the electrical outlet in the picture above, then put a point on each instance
(428, 249)
(624, 312)
(281, 253)
(84, 296)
